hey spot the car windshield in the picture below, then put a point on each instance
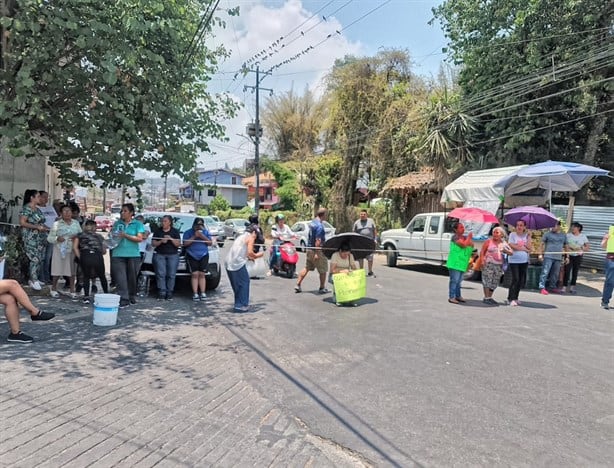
(180, 222)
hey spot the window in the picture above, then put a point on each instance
(434, 225)
(211, 192)
(417, 225)
(233, 180)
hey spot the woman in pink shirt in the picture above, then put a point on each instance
(492, 263)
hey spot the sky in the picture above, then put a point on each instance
(314, 33)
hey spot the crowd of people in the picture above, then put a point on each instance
(558, 250)
(59, 243)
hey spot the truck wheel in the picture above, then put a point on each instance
(391, 256)
(213, 280)
(303, 247)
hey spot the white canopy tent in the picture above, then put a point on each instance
(480, 189)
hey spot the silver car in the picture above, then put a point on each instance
(215, 230)
(301, 231)
(235, 227)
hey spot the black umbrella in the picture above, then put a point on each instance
(360, 246)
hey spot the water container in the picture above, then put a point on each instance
(106, 307)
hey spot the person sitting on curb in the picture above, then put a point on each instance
(11, 296)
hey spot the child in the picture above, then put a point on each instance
(89, 248)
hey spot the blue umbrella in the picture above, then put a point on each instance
(533, 216)
(554, 176)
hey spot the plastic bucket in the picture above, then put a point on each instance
(106, 307)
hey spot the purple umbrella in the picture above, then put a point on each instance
(533, 216)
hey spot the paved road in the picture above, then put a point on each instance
(405, 379)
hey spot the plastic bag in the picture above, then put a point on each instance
(256, 268)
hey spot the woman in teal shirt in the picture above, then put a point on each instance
(126, 256)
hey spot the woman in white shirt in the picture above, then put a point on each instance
(241, 252)
(577, 244)
(518, 262)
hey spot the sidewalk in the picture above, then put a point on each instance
(164, 387)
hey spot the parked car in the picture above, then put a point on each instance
(103, 223)
(215, 231)
(183, 222)
(235, 227)
(301, 230)
(426, 238)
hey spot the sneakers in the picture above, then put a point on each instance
(371, 274)
(124, 303)
(514, 303)
(161, 297)
(297, 289)
(42, 315)
(605, 306)
(241, 309)
(544, 291)
(453, 301)
(132, 300)
(323, 291)
(203, 297)
(86, 300)
(195, 297)
(54, 293)
(19, 338)
(489, 301)
(558, 291)
(36, 286)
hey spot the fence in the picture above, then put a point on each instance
(596, 220)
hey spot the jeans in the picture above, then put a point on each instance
(454, 288)
(166, 271)
(45, 273)
(125, 271)
(274, 257)
(608, 285)
(519, 278)
(571, 270)
(550, 273)
(239, 280)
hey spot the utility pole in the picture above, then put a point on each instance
(256, 131)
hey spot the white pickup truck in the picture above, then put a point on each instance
(426, 238)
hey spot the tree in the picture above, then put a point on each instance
(219, 203)
(293, 124)
(535, 75)
(111, 86)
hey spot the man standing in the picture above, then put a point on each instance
(315, 257)
(366, 227)
(554, 244)
(608, 286)
(50, 216)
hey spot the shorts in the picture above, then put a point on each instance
(195, 265)
(321, 264)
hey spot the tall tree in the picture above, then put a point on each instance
(293, 124)
(112, 86)
(536, 75)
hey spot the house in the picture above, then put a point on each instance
(268, 185)
(226, 183)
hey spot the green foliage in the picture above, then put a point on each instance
(219, 203)
(115, 86)
(534, 76)
(288, 189)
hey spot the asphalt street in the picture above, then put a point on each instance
(404, 379)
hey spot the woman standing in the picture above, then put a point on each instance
(34, 234)
(126, 256)
(197, 241)
(61, 236)
(166, 242)
(492, 263)
(461, 248)
(241, 251)
(577, 244)
(520, 242)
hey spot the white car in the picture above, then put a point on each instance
(301, 231)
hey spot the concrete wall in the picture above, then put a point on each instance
(19, 174)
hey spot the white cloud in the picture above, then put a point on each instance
(257, 29)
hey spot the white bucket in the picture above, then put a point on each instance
(105, 309)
